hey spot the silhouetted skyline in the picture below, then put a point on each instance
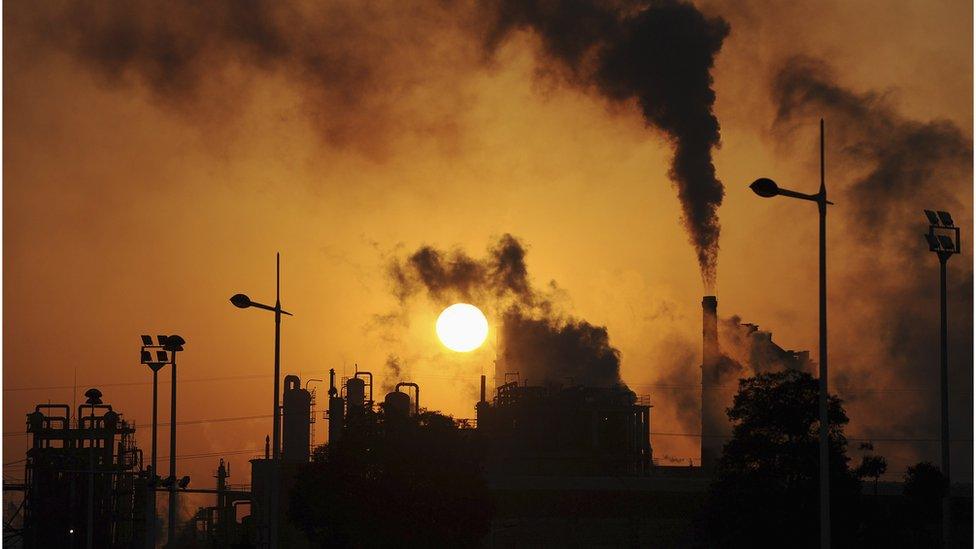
(156, 159)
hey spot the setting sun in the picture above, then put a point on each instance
(462, 327)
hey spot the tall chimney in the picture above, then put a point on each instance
(710, 352)
(712, 421)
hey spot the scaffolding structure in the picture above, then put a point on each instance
(84, 482)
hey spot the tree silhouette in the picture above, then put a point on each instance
(924, 487)
(765, 491)
(394, 481)
(872, 466)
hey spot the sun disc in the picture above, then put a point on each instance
(462, 327)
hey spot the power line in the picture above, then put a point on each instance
(187, 422)
(846, 391)
(181, 456)
(161, 382)
(854, 439)
(695, 386)
(214, 454)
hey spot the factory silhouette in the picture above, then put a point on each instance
(559, 464)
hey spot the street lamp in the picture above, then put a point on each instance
(162, 358)
(767, 188)
(243, 302)
(943, 239)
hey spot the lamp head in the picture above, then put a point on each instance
(765, 187)
(93, 396)
(174, 343)
(241, 301)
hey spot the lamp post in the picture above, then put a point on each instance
(94, 399)
(767, 188)
(172, 344)
(943, 239)
(243, 302)
(162, 359)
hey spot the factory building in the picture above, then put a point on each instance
(296, 420)
(748, 351)
(569, 431)
(84, 482)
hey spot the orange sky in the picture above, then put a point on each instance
(126, 214)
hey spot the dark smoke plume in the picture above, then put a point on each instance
(367, 73)
(572, 351)
(660, 54)
(363, 73)
(544, 347)
(889, 285)
(450, 276)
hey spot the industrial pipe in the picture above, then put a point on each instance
(416, 406)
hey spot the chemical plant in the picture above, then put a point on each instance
(87, 484)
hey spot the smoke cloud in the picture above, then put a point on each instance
(755, 352)
(660, 54)
(886, 363)
(544, 346)
(366, 75)
(745, 351)
(363, 74)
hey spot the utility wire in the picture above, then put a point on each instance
(653, 433)
(696, 386)
(162, 381)
(166, 425)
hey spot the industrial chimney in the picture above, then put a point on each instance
(713, 422)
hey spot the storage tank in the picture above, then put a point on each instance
(296, 422)
(355, 393)
(397, 404)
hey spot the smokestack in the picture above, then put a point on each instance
(711, 444)
(710, 351)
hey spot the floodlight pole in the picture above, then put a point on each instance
(944, 247)
(151, 491)
(171, 534)
(90, 534)
(944, 374)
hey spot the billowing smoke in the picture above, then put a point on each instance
(361, 75)
(744, 351)
(368, 74)
(565, 352)
(658, 53)
(544, 347)
(883, 169)
(447, 277)
(755, 351)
